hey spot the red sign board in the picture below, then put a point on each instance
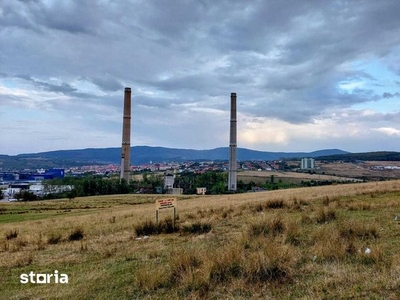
(165, 203)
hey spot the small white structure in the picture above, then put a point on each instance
(37, 189)
(174, 191)
(12, 191)
(201, 190)
(169, 180)
(307, 163)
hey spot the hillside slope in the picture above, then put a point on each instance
(143, 154)
(336, 242)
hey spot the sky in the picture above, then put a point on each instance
(308, 74)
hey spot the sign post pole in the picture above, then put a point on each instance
(174, 216)
(166, 203)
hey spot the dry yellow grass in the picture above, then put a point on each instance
(306, 260)
(287, 174)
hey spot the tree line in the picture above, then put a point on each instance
(98, 185)
(91, 185)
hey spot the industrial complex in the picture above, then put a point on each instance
(12, 183)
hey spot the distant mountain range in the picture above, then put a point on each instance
(367, 156)
(142, 155)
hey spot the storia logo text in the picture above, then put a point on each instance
(43, 278)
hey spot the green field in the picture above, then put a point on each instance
(332, 242)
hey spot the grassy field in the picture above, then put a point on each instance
(331, 242)
(361, 169)
(289, 177)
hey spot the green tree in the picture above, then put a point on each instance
(214, 181)
(123, 187)
(25, 196)
(219, 188)
(71, 194)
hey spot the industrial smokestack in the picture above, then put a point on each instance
(232, 182)
(126, 137)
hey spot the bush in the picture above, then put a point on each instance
(261, 266)
(150, 279)
(168, 226)
(351, 229)
(275, 204)
(259, 262)
(375, 257)
(149, 227)
(197, 228)
(54, 238)
(257, 229)
(293, 234)
(146, 228)
(305, 219)
(12, 234)
(76, 235)
(275, 226)
(72, 194)
(325, 215)
(329, 245)
(183, 265)
(227, 263)
(26, 196)
(39, 242)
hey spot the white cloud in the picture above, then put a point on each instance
(388, 131)
(305, 72)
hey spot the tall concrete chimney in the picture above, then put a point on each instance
(126, 137)
(232, 182)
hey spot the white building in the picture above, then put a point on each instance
(201, 190)
(307, 163)
(37, 189)
(174, 191)
(169, 180)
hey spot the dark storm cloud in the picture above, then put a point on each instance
(287, 60)
(170, 18)
(71, 16)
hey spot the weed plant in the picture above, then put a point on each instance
(197, 228)
(76, 235)
(273, 226)
(325, 215)
(54, 238)
(149, 227)
(12, 234)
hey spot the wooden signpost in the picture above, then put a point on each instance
(166, 203)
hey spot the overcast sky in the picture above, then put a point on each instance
(308, 74)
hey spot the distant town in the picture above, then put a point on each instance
(12, 182)
(191, 177)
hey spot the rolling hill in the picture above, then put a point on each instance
(143, 154)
